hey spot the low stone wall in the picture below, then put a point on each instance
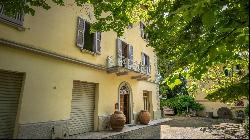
(104, 123)
(59, 129)
(148, 132)
(157, 114)
(44, 130)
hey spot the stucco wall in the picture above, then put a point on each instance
(55, 30)
(48, 86)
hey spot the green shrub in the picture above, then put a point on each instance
(163, 103)
(247, 110)
(182, 104)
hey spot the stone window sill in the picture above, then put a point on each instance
(90, 52)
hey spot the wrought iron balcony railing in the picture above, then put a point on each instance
(128, 64)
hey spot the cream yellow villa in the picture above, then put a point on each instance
(57, 79)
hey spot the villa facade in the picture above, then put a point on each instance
(58, 79)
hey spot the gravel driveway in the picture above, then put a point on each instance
(168, 132)
(201, 128)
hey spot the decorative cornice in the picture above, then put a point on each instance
(49, 53)
(55, 55)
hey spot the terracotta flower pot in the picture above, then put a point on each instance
(144, 117)
(117, 120)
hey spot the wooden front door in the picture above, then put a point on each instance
(124, 105)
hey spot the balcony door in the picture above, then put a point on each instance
(124, 54)
(125, 50)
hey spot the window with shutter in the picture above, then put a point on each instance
(16, 19)
(119, 51)
(143, 34)
(98, 42)
(148, 66)
(124, 54)
(90, 42)
(88, 38)
(80, 33)
(130, 56)
(146, 63)
(143, 58)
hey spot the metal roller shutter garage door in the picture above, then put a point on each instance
(82, 108)
(10, 88)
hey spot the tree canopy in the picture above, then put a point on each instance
(170, 92)
(192, 37)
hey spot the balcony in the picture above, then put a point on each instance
(125, 66)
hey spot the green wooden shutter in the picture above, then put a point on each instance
(80, 32)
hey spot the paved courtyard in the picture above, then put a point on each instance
(201, 128)
(175, 128)
(128, 130)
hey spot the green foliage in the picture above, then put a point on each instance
(233, 92)
(163, 103)
(246, 111)
(200, 36)
(182, 104)
(168, 92)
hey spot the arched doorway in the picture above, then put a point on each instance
(124, 99)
